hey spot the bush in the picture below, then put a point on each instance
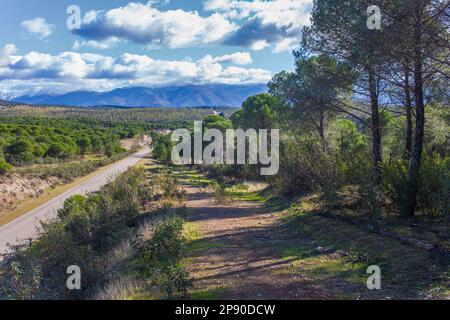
(24, 285)
(86, 231)
(4, 166)
(434, 185)
(159, 258)
(162, 150)
(20, 151)
(56, 150)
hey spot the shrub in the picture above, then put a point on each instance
(434, 185)
(24, 285)
(4, 166)
(159, 258)
(87, 229)
(56, 150)
(20, 151)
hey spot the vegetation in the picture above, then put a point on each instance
(162, 147)
(27, 140)
(71, 170)
(354, 98)
(364, 173)
(150, 118)
(128, 212)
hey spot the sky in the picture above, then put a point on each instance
(45, 48)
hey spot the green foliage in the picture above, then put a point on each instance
(259, 112)
(24, 286)
(57, 150)
(313, 90)
(162, 147)
(345, 137)
(70, 171)
(87, 229)
(434, 190)
(434, 185)
(147, 118)
(4, 166)
(33, 139)
(217, 122)
(19, 151)
(159, 258)
(437, 130)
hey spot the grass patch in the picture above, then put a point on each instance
(195, 243)
(339, 253)
(209, 294)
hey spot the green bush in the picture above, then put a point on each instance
(19, 151)
(159, 258)
(4, 166)
(434, 190)
(162, 150)
(88, 228)
(434, 185)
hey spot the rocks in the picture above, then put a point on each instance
(15, 188)
(322, 250)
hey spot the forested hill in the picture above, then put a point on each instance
(215, 95)
(4, 103)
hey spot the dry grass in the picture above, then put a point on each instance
(119, 289)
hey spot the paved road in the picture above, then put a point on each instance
(25, 227)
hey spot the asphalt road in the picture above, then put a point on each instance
(25, 227)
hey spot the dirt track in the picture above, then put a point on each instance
(236, 254)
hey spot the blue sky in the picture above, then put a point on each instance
(126, 43)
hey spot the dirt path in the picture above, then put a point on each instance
(244, 250)
(235, 254)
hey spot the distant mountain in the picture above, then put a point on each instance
(4, 103)
(214, 95)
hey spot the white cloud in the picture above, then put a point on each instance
(38, 27)
(70, 71)
(243, 9)
(241, 58)
(144, 24)
(276, 23)
(7, 54)
(259, 45)
(250, 24)
(106, 44)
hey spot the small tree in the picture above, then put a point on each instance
(20, 151)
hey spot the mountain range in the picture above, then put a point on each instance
(212, 95)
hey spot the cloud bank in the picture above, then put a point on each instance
(68, 71)
(249, 24)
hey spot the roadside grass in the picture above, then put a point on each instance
(214, 293)
(247, 191)
(337, 254)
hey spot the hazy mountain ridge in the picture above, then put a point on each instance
(213, 95)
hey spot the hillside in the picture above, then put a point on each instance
(170, 96)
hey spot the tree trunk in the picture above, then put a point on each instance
(376, 126)
(414, 167)
(408, 109)
(322, 129)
